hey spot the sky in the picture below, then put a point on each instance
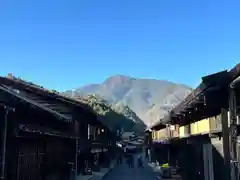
(64, 44)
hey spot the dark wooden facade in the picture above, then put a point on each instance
(204, 101)
(209, 99)
(48, 136)
(38, 145)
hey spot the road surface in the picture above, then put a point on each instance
(123, 172)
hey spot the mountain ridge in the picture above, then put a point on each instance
(150, 99)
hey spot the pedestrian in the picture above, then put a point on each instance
(120, 159)
(131, 161)
(146, 153)
(128, 161)
(140, 163)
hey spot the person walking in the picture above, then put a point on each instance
(128, 160)
(131, 161)
(146, 153)
(140, 162)
(119, 159)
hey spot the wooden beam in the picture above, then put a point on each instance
(17, 98)
(44, 92)
(234, 72)
(216, 78)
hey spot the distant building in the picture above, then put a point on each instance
(127, 135)
(10, 76)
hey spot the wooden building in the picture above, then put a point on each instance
(203, 128)
(159, 144)
(48, 136)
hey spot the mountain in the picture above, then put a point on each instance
(120, 108)
(114, 116)
(150, 99)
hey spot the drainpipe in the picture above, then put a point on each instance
(4, 142)
(233, 130)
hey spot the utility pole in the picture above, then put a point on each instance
(233, 133)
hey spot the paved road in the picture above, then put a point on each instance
(122, 172)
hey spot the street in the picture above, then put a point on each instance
(123, 172)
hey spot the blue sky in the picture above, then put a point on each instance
(66, 44)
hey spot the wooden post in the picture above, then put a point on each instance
(3, 146)
(4, 141)
(225, 136)
(76, 159)
(169, 144)
(233, 134)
